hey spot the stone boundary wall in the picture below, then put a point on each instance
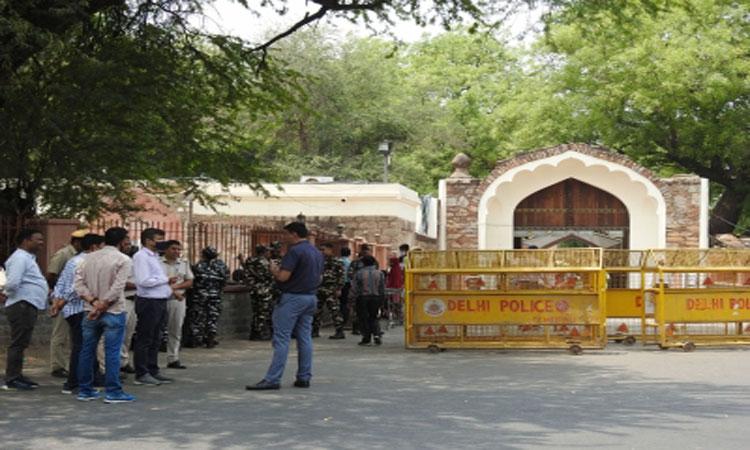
(682, 195)
(387, 230)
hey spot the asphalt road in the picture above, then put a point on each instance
(388, 397)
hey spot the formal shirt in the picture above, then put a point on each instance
(102, 275)
(305, 262)
(65, 287)
(60, 258)
(368, 281)
(178, 268)
(24, 280)
(151, 280)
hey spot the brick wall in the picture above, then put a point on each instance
(461, 212)
(682, 195)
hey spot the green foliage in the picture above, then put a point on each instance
(101, 102)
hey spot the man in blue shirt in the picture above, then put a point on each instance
(26, 290)
(298, 278)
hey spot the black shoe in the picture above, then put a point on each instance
(378, 341)
(265, 337)
(363, 343)
(127, 369)
(211, 343)
(68, 389)
(263, 385)
(338, 335)
(16, 385)
(302, 384)
(316, 334)
(176, 365)
(29, 381)
(60, 373)
(356, 332)
(162, 379)
(163, 347)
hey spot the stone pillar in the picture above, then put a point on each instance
(460, 206)
(682, 195)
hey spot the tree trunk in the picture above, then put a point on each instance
(727, 212)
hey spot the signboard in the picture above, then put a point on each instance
(707, 305)
(502, 308)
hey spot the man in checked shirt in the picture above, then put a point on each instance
(67, 301)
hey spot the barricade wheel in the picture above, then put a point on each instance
(575, 349)
(630, 340)
(688, 347)
(432, 348)
(663, 347)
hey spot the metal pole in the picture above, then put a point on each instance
(385, 168)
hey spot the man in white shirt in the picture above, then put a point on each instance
(153, 290)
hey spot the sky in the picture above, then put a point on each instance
(229, 17)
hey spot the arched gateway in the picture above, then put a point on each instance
(581, 194)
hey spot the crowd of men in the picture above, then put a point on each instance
(104, 297)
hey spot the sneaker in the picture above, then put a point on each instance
(60, 373)
(147, 380)
(363, 343)
(302, 383)
(338, 335)
(68, 390)
(17, 385)
(378, 340)
(263, 385)
(119, 397)
(162, 379)
(88, 396)
(176, 365)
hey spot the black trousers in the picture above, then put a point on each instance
(22, 318)
(344, 301)
(368, 307)
(151, 312)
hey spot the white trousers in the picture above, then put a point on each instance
(175, 319)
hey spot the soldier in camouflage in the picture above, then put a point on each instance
(258, 278)
(329, 291)
(211, 275)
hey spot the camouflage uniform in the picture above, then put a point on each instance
(330, 285)
(275, 259)
(259, 280)
(210, 277)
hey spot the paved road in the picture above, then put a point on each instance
(388, 397)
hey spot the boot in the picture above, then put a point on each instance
(339, 335)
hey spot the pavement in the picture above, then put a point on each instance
(389, 397)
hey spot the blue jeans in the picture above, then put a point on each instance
(293, 315)
(112, 326)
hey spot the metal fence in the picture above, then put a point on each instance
(231, 240)
(9, 227)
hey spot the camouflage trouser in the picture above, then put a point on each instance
(328, 299)
(262, 308)
(204, 317)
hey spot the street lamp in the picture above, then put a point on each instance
(385, 148)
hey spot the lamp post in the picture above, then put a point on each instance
(385, 148)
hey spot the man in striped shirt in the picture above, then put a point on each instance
(368, 290)
(66, 300)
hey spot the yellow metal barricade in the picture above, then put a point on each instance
(505, 299)
(624, 294)
(699, 297)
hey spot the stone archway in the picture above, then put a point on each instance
(508, 185)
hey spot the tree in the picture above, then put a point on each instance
(671, 89)
(101, 98)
